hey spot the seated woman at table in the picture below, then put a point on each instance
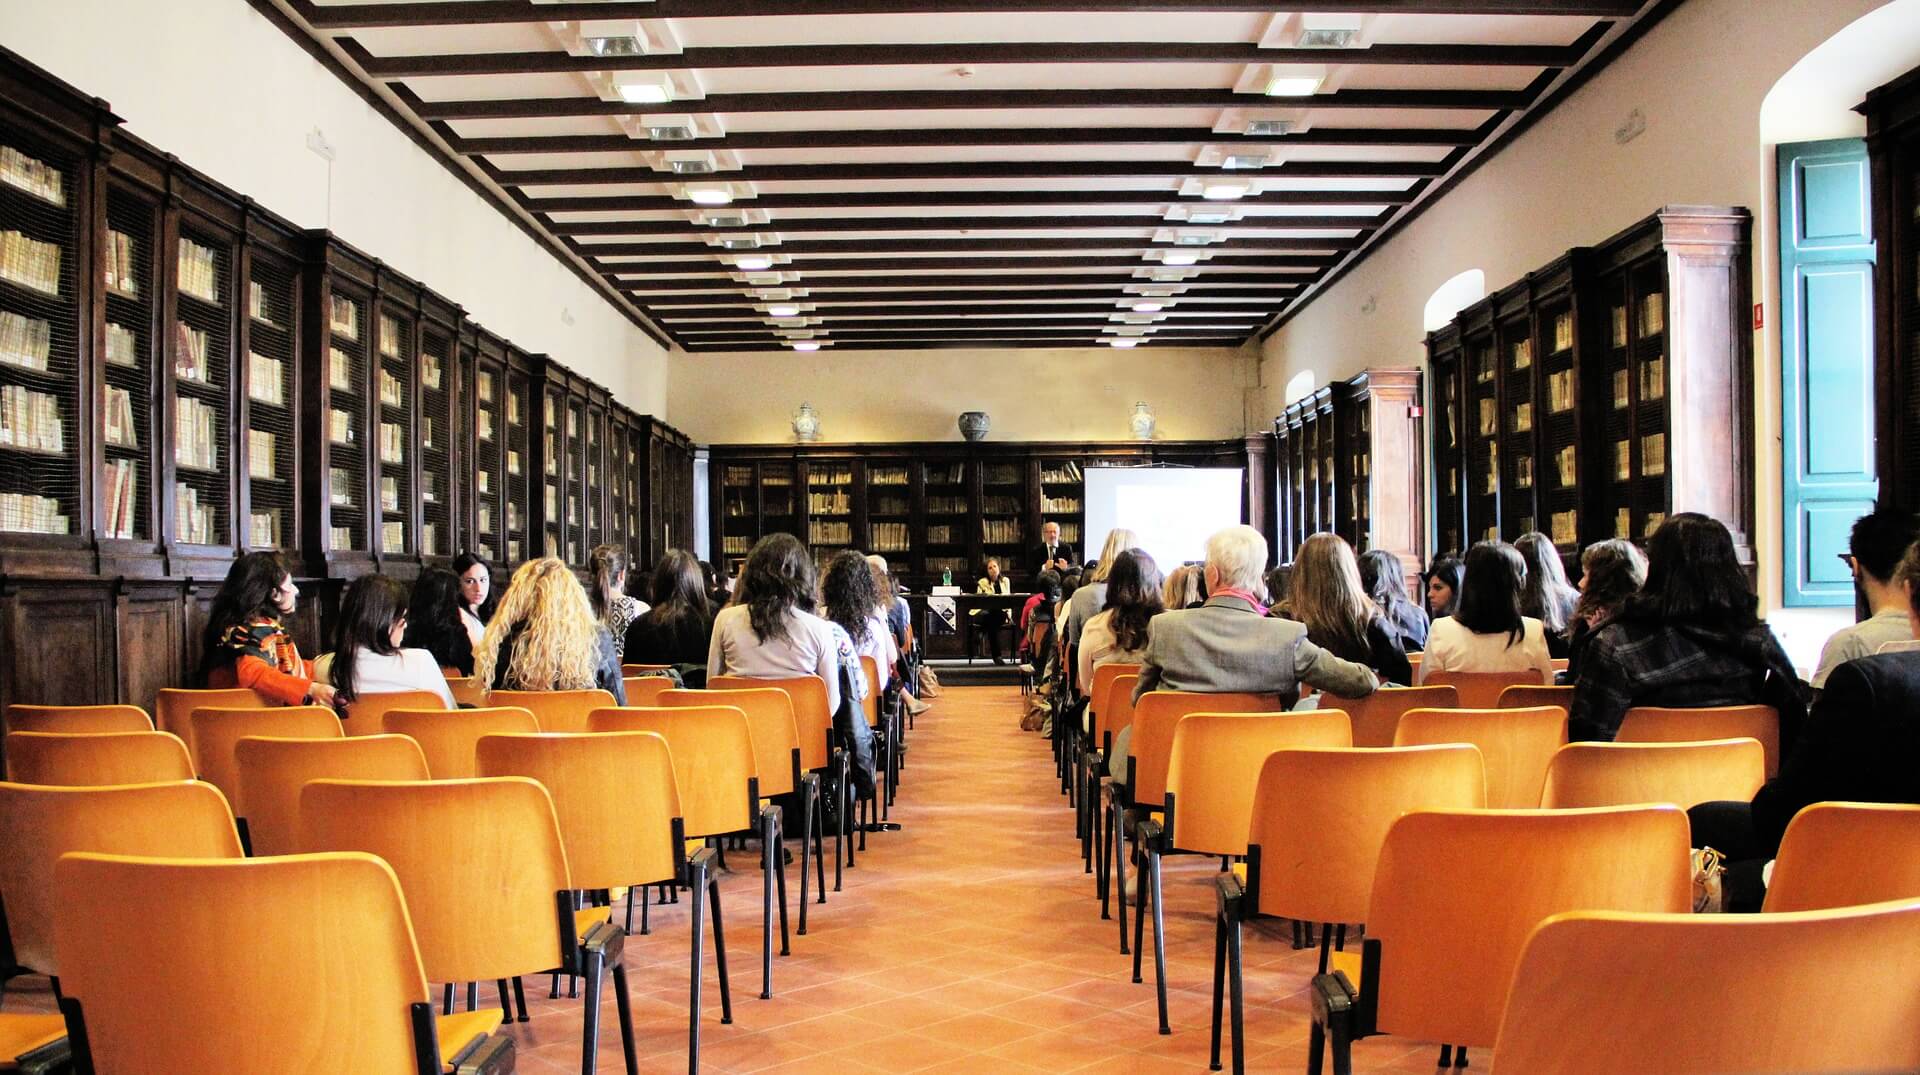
(991, 620)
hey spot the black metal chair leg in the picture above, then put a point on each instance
(1139, 913)
(698, 875)
(1446, 1056)
(1159, 942)
(473, 996)
(1326, 946)
(1117, 821)
(447, 1007)
(767, 849)
(819, 845)
(1237, 995)
(553, 988)
(1101, 855)
(780, 881)
(624, 1005)
(1219, 985)
(506, 1005)
(720, 951)
(595, 972)
(520, 998)
(807, 799)
(1460, 1057)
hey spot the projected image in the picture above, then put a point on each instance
(1172, 511)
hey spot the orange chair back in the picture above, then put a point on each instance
(366, 714)
(272, 772)
(1117, 710)
(634, 669)
(173, 707)
(1481, 690)
(295, 964)
(1320, 817)
(776, 738)
(39, 824)
(1214, 765)
(557, 711)
(1839, 854)
(613, 794)
(1584, 980)
(646, 690)
(1533, 695)
(1457, 893)
(465, 691)
(77, 719)
(97, 759)
(1516, 745)
(870, 705)
(1103, 677)
(216, 731)
(810, 713)
(479, 862)
(1560, 664)
(447, 736)
(1649, 724)
(1378, 714)
(1684, 774)
(713, 760)
(1156, 715)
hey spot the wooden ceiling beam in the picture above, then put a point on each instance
(818, 284)
(955, 170)
(958, 298)
(923, 138)
(928, 199)
(1248, 247)
(1063, 263)
(1237, 329)
(970, 224)
(835, 315)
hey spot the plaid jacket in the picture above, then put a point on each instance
(1629, 663)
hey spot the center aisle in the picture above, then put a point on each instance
(968, 942)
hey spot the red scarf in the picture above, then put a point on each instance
(1258, 608)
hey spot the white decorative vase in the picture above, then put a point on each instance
(1142, 422)
(806, 424)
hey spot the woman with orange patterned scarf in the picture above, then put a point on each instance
(245, 645)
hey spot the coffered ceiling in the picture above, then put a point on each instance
(781, 174)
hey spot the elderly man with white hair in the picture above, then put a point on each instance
(1230, 644)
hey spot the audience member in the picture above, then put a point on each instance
(545, 637)
(434, 621)
(1091, 595)
(898, 616)
(1385, 580)
(245, 645)
(771, 631)
(1182, 588)
(1117, 634)
(718, 585)
(1051, 554)
(1487, 632)
(1861, 744)
(991, 621)
(678, 628)
(1690, 638)
(1546, 595)
(1277, 585)
(607, 588)
(367, 657)
(1611, 571)
(477, 600)
(848, 600)
(1326, 597)
(1443, 586)
(1879, 539)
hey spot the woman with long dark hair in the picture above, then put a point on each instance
(1547, 596)
(1487, 632)
(851, 603)
(1691, 638)
(1385, 581)
(1118, 633)
(607, 590)
(678, 627)
(434, 623)
(1444, 577)
(771, 632)
(245, 644)
(1611, 572)
(367, 657)
(1340, 618)
(477, 600)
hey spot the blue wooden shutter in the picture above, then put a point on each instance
(1826, 363)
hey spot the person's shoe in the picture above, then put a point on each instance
(1127, 882)
(915, 705)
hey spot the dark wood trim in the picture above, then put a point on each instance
(934, 310)
(813, 282)
(1240, 259)
(967, 170)
(894, 300)
(921, 138)
(854, 225)
(1248, 247)
(1018, 342)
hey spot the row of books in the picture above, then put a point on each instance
(340, 370)
(194, 434)
(946, 505)
(266, 379)
(30, 514)
(889, 537)
(887, 476)
(887, 505)
(122, 269)
(1001, 474)
(1001, 531)
(839, 475)
(30, 263)
(25, 341)
(393, 537)
(193, 522)
(123, 509)
(199, 271)
(393, 443)
(1067, 472)
(340, 539)
(1000, 505)
(340, 427)
(390, 343)
(261, 446)
(938, 564)
(190, 350)
(940, 535)
(393, 393)
(838, 503)
(30, 421)
(343, 317)
(123, 346)
(430, 371)
(1065, 505)
(825, 533)
(36, 177)
(735, 544)
(950, 474)
(263, 530)
(116, 424)
(257, 304)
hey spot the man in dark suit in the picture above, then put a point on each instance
(1051, 554)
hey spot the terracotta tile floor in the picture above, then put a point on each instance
(969, 942)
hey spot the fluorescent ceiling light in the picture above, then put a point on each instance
(704, 166)
(1122, 342)
(740, 242)
(1172, 258)
(784, 311)
(670, 132)
(1223, 190)
(613, 45)
(805, 345)
(1269, 128)
(1209, 216)
(725, 220)
(1295, 81)
(710, 195)
(1148, 307)
(650, 90)
(1331, 30)
(1245, 160)
(755, 263)
(1196, 238)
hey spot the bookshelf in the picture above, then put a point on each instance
(1578, 440)
(666, 488)
(438, 373)
(951, 535)
(576, 519)
(270, 502)
(521, 526)
(488, 398)
(1893, 148)
(340, 400)
(831, 493)
(598, 474)
(889, 501)
(1347, 459)
(1063, 490)
(128, 283)
(395, 372)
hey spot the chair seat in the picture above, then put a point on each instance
(695, 845)
(1239, 872)
(460, 1028)
(586, 918)
(22, 1034)
(1347, 961)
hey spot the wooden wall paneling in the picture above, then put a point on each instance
(149, 640)
(60, 636)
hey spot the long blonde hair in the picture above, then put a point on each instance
(1183, 586)
(1118, 541)
(1326, 594)
(558, 647)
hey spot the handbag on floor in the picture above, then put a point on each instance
(929, 683)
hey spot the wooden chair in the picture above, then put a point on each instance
(820, 752)
(1533, 695)
(1651, 724)
(33, 1042)
(1087, 750)
(97, 759)
(776, 749)
(1730, 988)
(1149, 750)
(1685, 774)
(365, 715)
(304, 963)
(1481, 690)
(216, 731)
(1378, 714)
(713, 765)
(1213, 766)
(40, 824)
(1840, 854)
(465, 692)
(635, 669)
(618, 808)
(1560, 664)
(173, 706)
(447, 736)
(883, 725)
(272, 772)
(484, 874)
(1457, 893)
(1116, 716)
(77, 719)
(646, 690)
(557, 711)
(1516, 745)
(1319, 819)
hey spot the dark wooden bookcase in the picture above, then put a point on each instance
(1893, 146)
(1347, 459)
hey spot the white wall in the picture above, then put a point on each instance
(217, 85)
(1041, 394)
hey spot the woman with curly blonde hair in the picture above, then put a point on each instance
(545, 637)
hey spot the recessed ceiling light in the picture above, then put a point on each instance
(1331, 30)
(645, 89)
(1195, 238)
(1122, 342)
(784, 311)
(805, 345)
(1209, 216)
(725, 220)
(1172, 258)
(1269, 128)
(1148, 307)
(740, 242)
(1245, 160)
(755, 263)
(1289, 81)
(619, 45)
(704, 166)
(1223, 190)
(671, 132)
(709, 195)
